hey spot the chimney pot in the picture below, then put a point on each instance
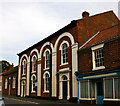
(85, 14)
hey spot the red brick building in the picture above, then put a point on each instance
(47, 68)
(9, 81)
(99, 68)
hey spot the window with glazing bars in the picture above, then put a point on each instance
(47, 82)
(65, 53)
(47, 59)
(99, 59)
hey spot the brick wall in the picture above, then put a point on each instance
(111, 52)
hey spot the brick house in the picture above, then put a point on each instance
(9, 81)
(99, 68)
(46, 69)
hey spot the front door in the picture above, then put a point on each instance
(65, 90)
(23, 90)
(100, 91)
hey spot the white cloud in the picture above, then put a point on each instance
(25, 23)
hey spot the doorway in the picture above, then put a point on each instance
(100, 91)
(64, 87)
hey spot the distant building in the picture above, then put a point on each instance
(98, 72)
(4, 66)
(46, 69)
(10, 81)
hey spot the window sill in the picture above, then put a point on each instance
(33, 72)
(23, 74)
(98, 68)
(87, 98)
(33, 92)
(111, 99)
(46, 69)
(64, 64)
(46, 92)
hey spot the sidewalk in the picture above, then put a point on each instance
(38, 101)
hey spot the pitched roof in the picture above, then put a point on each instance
(102, 36)
(86, 27)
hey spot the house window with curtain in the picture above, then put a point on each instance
(65, 53)
(108, 88)
(84, 89)
(117, 88)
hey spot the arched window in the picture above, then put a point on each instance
(33, 83)
(65, 53)
(24, 67)
(34, 63)
(64, 78)
(46, 77)
(47, 59)
(14, 81)
(6, 83)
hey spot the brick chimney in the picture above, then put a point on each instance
(85, 14)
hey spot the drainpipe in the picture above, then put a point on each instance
(78, 100)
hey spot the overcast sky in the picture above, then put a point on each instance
(24, 23)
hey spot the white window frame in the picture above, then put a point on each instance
(93, 56)
(47, 50)
(6, 83)
(89, 90)
(24, 67)
(61, 48)
(44, 77)
(111, 99)
(14, 82)
(33, 71)
(33, 91)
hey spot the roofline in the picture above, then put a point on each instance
(108, 40)
(72, 24)
(80, 48)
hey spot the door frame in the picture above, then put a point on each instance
(102, 96)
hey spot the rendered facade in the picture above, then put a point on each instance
(47, 68)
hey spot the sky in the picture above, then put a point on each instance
(26, 22)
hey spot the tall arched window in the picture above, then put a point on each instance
(65, 53)
(46, 77)
(47, 81)
(34, 63)
(47, 59)
(33, 83)
(24, 67)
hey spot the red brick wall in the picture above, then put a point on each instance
(13, 91)
(85, 60)
(111, 52)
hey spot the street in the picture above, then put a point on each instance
(16, 101)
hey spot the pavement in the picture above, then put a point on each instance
(24, 100)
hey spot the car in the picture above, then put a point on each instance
(2, 102)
